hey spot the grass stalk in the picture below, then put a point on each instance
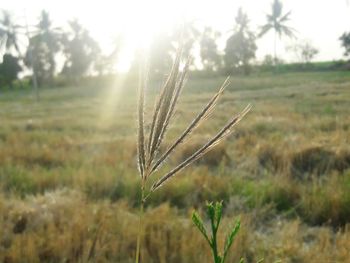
(149, 156)
(140, 229)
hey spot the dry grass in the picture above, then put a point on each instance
(55, 230)
(164, 110)
(300, 217)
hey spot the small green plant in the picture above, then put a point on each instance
(214, 212)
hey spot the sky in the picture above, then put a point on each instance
(320, 22)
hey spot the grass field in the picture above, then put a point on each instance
(69, 183)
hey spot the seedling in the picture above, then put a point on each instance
(214, 212)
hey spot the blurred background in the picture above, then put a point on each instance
(104, 37)
(69, 73)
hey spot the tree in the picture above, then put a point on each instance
(160, 53)
(38, 51)
(268, 62)
(81, 51)
(43, 47)
(9, 69)
(276, 21)
(105, 64)
(305, 51)
(345, 42)
(51, 37)
(163, 46)
(210, 57)
(188, 34)
(9, 33)
(240, 47)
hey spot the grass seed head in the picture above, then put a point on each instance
(149, 156)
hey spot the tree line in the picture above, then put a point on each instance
(82, 55)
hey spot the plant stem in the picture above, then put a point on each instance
(215, 252)
(275, 48)
(214, 244)
(140, 232)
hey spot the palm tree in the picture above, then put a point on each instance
(240, 46)
(9, 32)
(9, 42)
(209, 54)
(51, 37)
(81, 51)
(44, 44)
(276, 21)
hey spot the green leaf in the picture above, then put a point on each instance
(211, 212)
(199, 224)
(218, 214)
(231, 237)
(211, 215)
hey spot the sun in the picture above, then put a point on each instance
(140, 21)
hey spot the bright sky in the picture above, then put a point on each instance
(319, 21)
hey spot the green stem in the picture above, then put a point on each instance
(214, 245)
(215, 252)
(140, 231)
(275, 49)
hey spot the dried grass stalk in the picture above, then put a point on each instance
(206, 111)
(163, 112)
(141, 129)
(224, 132)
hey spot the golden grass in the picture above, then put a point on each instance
(65, 173)
(55, 230)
